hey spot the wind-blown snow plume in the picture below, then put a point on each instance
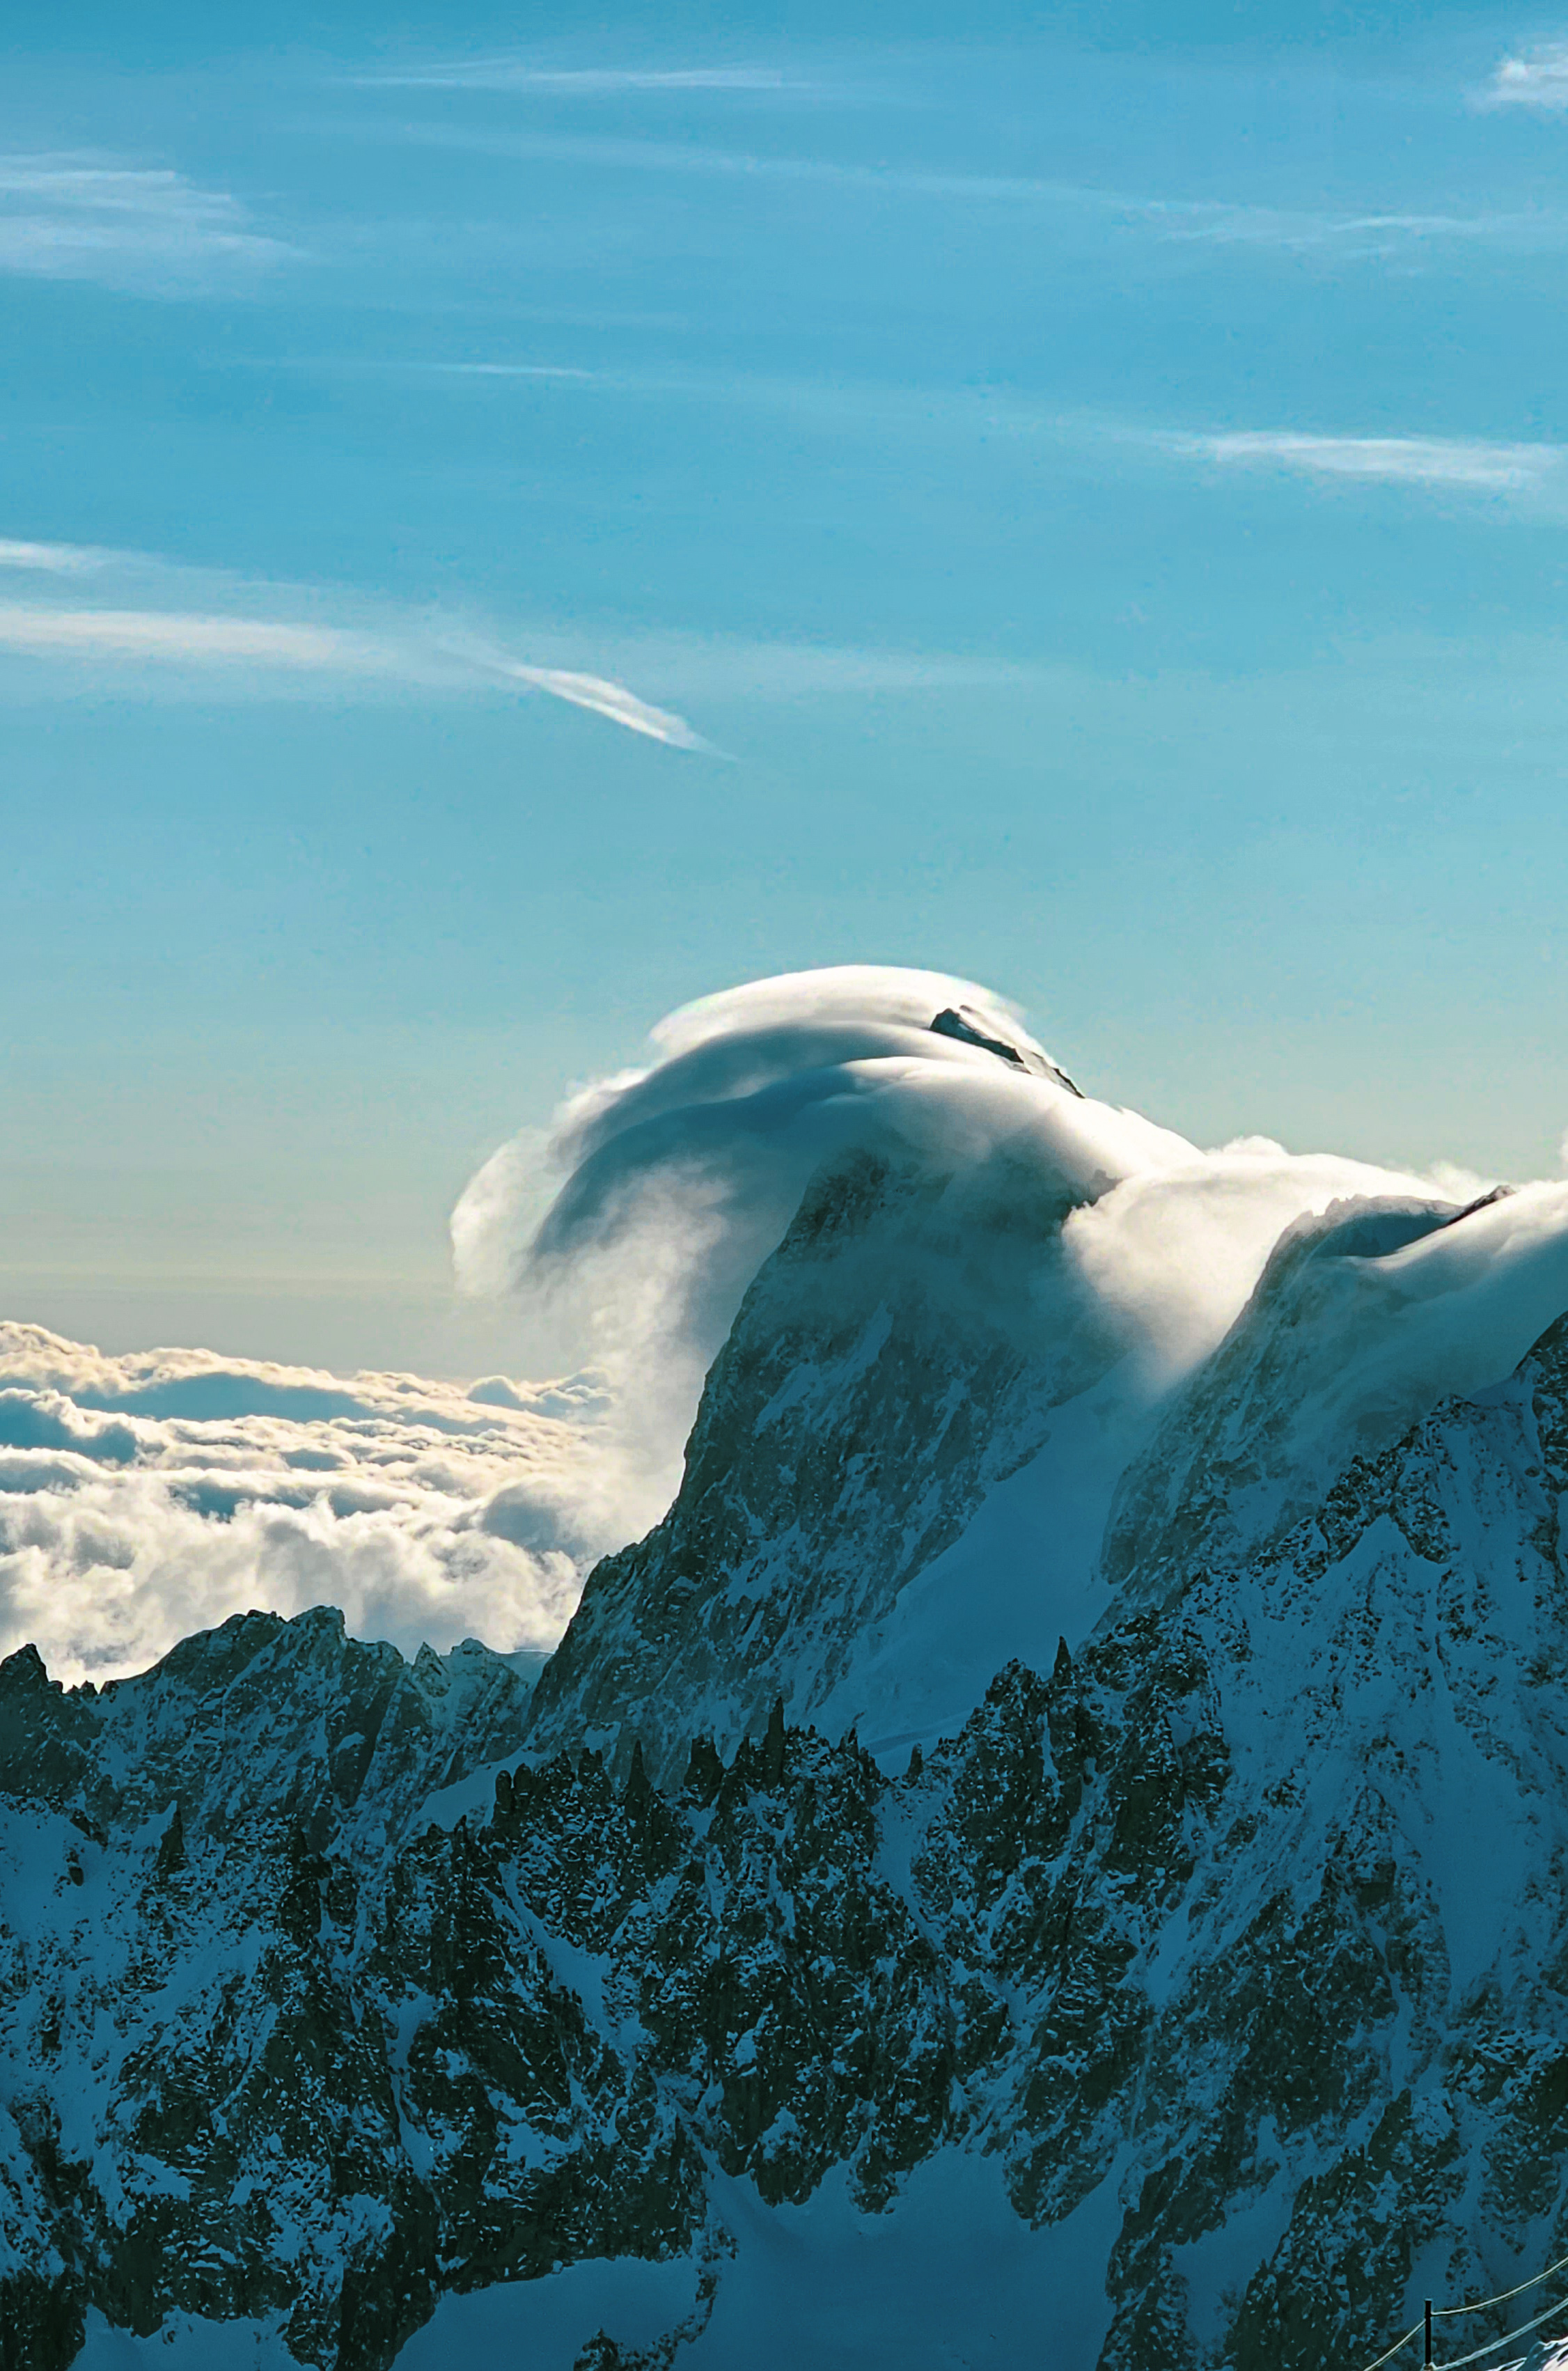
(671, 1184)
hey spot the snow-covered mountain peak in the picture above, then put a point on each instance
(1367, 1316)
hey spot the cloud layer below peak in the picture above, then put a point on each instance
(142, 1497)
(145, 1496)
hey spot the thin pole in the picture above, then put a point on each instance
(1429, 2334)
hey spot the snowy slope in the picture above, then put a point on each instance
(918, 1338)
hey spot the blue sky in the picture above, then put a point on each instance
(506, 529)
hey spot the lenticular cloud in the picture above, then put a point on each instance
(644, 1213)
(671, 1184)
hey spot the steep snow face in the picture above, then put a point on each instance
(940, 1387)
(1364, 1318)
(1229, 1936)
(636, 1227)
(909, 1346)
(991, 1285)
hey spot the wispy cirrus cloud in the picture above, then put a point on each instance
(145, 229)
(523, 74)
(1212, 221)
(261, 638)
(1469, 463)
(600, 697)
(185, 638)
(1537, 78)
(51, 559)
(252, 640)
(1522, 471)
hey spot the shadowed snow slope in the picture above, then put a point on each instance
(906, 1451)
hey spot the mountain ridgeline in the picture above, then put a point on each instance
(1230, 1931)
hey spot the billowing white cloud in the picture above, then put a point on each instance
(142, 1497)
(1537, 78)
(640, 1220)
(69, 216)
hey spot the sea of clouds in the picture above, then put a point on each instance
(145, 1496)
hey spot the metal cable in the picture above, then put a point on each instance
(1395, 2348)
(1446, 2312)
(1493, 2344)
(1481, 2305)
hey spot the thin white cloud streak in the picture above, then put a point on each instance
(153, 634)
(601, 697)
(252, 639)
(568, 372)
(145, 229)
(51, 559)
(1471, 465)
(206, 639)
(1215, 220)
(1530, 473)
(503, 73)
(1537, 78)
